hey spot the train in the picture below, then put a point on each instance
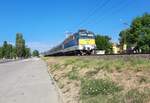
(81, 42)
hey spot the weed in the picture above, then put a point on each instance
(144, 79)
(69, 62)
(55, 66)
(98, 86)
(82, 64)
(96, 99)
(135, 96)
(73, 74)
(132, 96)
(92, 72)
(61, 85)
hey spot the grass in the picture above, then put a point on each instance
(144, 79)
(73, 74)
(70, 61)
(135, 96)
(92, 91)
(131, 96)
(92, 72)
(106, 64)
(55, 66)
(98, 86)
(104, 80)
(96, 99)
(60, 85)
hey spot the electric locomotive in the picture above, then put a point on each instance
(79, 43)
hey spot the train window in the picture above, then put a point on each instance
(76, 36)
(73, 37)
(83, 34)
(91, 35)
(87, 36)
(70, 38)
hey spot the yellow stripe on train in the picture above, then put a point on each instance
(86, 41)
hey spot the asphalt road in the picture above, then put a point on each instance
(26, 81)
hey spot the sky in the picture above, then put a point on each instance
(45, 23)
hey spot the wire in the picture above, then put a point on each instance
(119, 6)
(98, 6)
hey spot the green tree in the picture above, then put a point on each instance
(14, 55)
(1, 55)
(126, 38)
(4, 49)
(20, 45)
(7, 50)
(103, 43)
(35, 53)
(138, 34)
(27, 52)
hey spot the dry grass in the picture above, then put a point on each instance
(102, 80)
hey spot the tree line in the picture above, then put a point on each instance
(20, 50)
(136, 37)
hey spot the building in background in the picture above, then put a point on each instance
(118, 49)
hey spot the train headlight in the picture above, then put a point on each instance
(80, 46)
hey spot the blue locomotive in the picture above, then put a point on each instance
(79, 43)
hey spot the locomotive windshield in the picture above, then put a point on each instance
(90, 35)
(86, 35)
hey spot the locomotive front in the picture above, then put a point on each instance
(86, 42)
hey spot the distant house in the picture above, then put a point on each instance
(117, 49)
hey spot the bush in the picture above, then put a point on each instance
(35, 53)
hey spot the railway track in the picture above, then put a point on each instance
(147, 56)
(114, 56)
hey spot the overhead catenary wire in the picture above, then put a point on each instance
(93, 12)
(113, 10)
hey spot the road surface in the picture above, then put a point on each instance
(26, 81)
